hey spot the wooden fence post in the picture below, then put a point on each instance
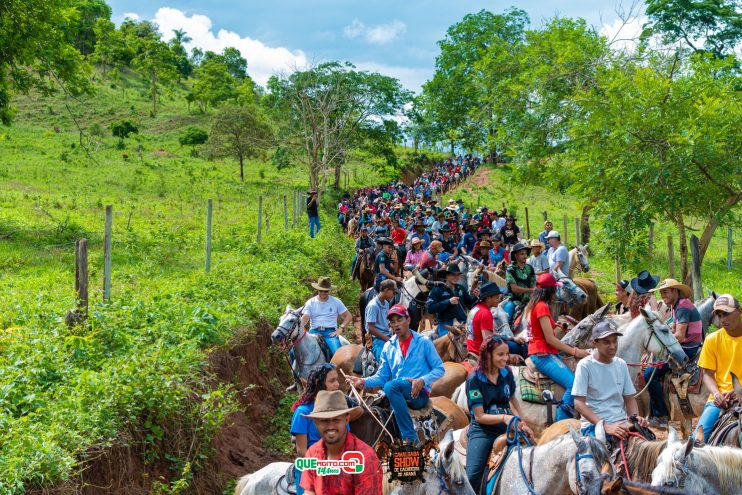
(528, 225)
(729, 248)
(650, 247)
(545, 217)
(107, 254)
(209, 208)
(618, 270)
(285, 214)
(293, 209)
(80, 312)
(670, 257)
(564, 233)
(577, 231)
(260, 219)
(695, 272)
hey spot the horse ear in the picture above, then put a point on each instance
(647, 315)
(581, 445)
(688, 446)
(288, 309)
(600, 432)
(672, 435)
(602, 312)
(714, 295)
(585, 246)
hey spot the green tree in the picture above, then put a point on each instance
(241, 133)
(183, 63)
(123, 130)
(711, 25)
(213, 84)
(111, 49)
(88, 14)
(193, 137)
(153, 60)
(236, 64)
(37, 52)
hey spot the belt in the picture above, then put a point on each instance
(323, 328)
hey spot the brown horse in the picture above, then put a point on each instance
(364, 269)
(580, 311)
(452, 346)
(454, 376)
(345, 358)
(558, 429)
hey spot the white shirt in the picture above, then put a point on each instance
(324, 314)
(604, 387)
(557, 255)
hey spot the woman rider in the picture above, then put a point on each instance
(323, 377)
(544, 346)
(490, 394)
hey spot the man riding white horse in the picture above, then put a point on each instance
(322, 312)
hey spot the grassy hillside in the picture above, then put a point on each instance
(140, 359)
(502, 189)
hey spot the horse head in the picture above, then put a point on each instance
(580, 336)
(661, 339)
(288, 326)
(569, 293)
(585, 465)
(582, 257)
(502, 326)
(705, 309)
(450, 470)
(671, 469)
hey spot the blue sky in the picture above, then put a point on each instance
(397, 38)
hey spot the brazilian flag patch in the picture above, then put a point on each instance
(475, 394)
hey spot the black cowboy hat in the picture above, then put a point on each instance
(490, 289)
(384, 240)
(452, 269)
(644, 282)
(519, 246)
(445, 228)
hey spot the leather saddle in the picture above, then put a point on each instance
(684, 382)
(500, 452)
(429, 422)
(286, 484)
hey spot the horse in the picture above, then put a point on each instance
(708, 470)
(352, 226)
(452, 346)
(308, 353)
(263, 480)
(639, 458)
(364, 269)
(568, 464)
(578, 257)
(622, 486)
(727, 430)
(593, 302)
(412, 295)
(447, 474)
(644, 333)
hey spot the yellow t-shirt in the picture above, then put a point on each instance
(722, 353)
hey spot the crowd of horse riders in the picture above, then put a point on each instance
(443, 283)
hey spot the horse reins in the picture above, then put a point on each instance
(361, 401)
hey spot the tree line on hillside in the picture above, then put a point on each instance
(641, 135)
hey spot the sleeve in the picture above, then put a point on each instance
(371, 315)
(434, 361)
(682, 315)
(541, 309)
(299, 424)
(474, 396)
(628, 383)
(511, 382)
(509, 278)
(564, 255)
(340, 306)
(708, 354)
(579, 386)
(308, 308)
(435, 305)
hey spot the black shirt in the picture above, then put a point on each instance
(312, 209)
(494, 398)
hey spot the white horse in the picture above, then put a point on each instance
(263, 481)
(578, 257)
(707, 470)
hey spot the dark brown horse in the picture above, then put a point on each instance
(580, 311)
(364, 270)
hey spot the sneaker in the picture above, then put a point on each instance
(659, 423)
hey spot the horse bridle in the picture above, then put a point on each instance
(578, 477)
(458, 348)
(683, 468)
(288, 340)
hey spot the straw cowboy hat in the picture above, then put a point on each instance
(671, 283)
(329, 405)
(537, 243)
(323, 283)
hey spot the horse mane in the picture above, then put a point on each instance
(598, 449)
(728, 464)
(642, 456)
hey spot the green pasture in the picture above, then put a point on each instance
(504, 189)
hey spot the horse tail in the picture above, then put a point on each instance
(241, 484)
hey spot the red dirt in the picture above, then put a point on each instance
(238, 446)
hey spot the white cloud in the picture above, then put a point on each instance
(262, 61)
(379, 34)
(131, 15)
(411, 78)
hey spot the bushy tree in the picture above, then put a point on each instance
(123, 130)
(193, 137)
(240, 133)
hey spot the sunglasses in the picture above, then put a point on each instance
(323, 291)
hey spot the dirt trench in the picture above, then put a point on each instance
(258, 373)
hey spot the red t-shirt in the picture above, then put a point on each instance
(366, 483)
(480, 318)
(537, 343)
(404, 345)
(399, 235)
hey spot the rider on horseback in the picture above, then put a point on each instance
(520, 279)
(383, 262)
(363, 242)
(322, 312)
(450, 301)
(377, 311)
(603, 389)
(409, 367)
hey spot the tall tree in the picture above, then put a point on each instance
(37, 52)
(241, 133)
(88, 14)
(214, 83)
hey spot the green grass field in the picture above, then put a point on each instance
(502, 188)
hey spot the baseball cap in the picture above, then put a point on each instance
(399, 310)
(726, 303)
(603, 329)
(553, 234)
(547, 280)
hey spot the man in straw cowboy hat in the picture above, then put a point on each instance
(687, 327)
(538, 259)
(409, 367)
(721, 355)
(520, 279)
(331, 415)
(322, 312)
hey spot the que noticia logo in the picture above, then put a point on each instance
(350, 463)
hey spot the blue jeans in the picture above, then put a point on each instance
(519, 349)
(589, 431)
(552, 366)
(478, 452)
(314, 226)
(708, 418)
(378, 346)
(441, 329)
(656, 394)
(332, 342)
(399, 392)
(297, 475)
(509, 308)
